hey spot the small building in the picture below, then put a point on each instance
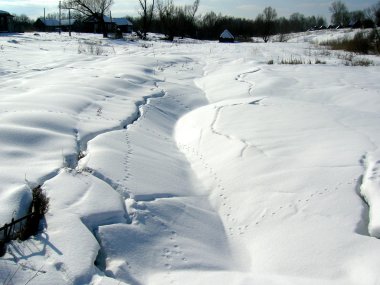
(226, 37)
(47, 25)
(368, 24)
(69, 24)
(355, 24)
(123, 24)
(53, 25)
(91, 25)
(6, 22)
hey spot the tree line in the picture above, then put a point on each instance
(173, 20)
(340, 15)
(164, 16)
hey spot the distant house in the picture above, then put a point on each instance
(47, 25)
(123, 24)
(69, 24)
(368, 24)
(226, 37)
(91, 25)
(6, 22)
(355, 24)
(52, 25)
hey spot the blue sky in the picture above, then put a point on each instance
(238, 8)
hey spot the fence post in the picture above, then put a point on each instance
(3, 248)
(5, 232)
(13, 226)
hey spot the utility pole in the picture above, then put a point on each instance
(44, 21)
(59, 17)
(69, 23)
(111, 21)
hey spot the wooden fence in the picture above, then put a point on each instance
(21, 228)
(26, 226)
(15, 227)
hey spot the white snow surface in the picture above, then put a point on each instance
(370, 190)
(190, 162)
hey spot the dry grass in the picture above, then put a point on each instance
(362, 43)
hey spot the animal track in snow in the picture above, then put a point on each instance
(172, 255)
(232, 224)
(127, 160)
(299, 202)
(226, 209)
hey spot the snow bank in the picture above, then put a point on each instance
(166, 235)
(15, 203)
(370, 190)
(280, 170)
(81, 203)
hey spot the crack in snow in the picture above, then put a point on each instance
(241, 77)
(245, 144)
(71, 161)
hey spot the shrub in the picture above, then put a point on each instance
(292, 60)
(363, 43)
(374, 37)
(359, 62)
(40, 201)
(270, 61)
(282, 38)
(349, 59)
(317, 61)
(92, 48)
(118, 34)
(39, 207)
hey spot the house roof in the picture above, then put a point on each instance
(122, 22)
(55, 23)
(227, 35)
(107, 19)
(5, 13)
(50, 22)
(68, 22)
(117, 21)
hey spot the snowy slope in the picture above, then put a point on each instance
(190, 163)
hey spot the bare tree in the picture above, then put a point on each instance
(266, 23)
(376, 12)
(191, 10)
(166, 12)
(22, 23)
(146, 13)
(177, 20)
(91, 8)
(358, 15)
(339, 13)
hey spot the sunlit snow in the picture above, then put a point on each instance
(190, 162)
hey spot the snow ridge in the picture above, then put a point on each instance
(370, 190)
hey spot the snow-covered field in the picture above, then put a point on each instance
(190, 162)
